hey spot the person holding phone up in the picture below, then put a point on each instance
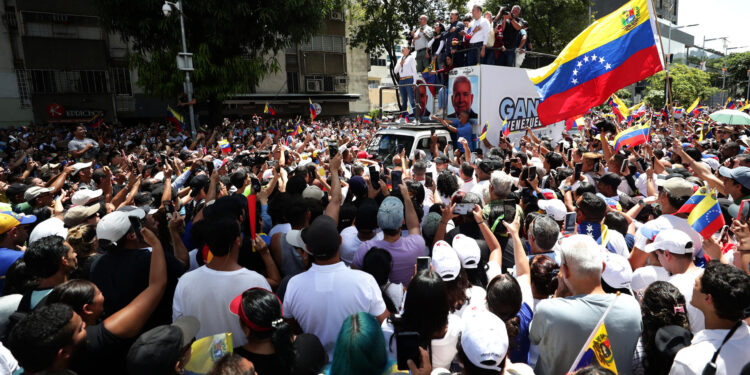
(459, 128)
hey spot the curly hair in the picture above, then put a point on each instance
(447, 183)
(544, 272)
(657, 311)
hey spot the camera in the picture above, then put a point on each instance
(505, 9)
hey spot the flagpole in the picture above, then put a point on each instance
(593, 333)
(666, 71)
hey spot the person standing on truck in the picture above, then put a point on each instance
(406, 68)
(459, 128)
(511, 29)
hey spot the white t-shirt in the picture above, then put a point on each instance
(8, 363)
(466, 186)
(350, 243)
(479, 188)
(685, 282)
(320, 298)
(443, 350)
(482, 34)
(477, 301)
(733, 356)
(206, 294)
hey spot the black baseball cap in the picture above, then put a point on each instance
(197, 184)
(440, 160)
(322, 237)
(609, 178)
(156, 351)
(367, 215)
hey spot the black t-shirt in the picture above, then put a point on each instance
(510, 35)
(263, 363)
(103, 352)
(123, 274)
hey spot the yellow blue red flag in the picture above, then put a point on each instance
(693, 106)
(175, 118)
(632, 136)
(598, 349)
(613, 52)
(705, 213)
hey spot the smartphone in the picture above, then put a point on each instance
(643, 163)
(428, 179)
(577, 171)
(463, 208)
(423, 263)
(407, 347)
(597, 165)
(744, 211)
(507, 165)
(624, 166)
(374, 175)
(653, 162)
(532, 173)
(570, 223)
(432, 131)
(135, 224)
(395, 179)
(724, 235)
(333, 148)
(255, 185)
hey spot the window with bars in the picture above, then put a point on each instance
(57, 25)
(325, 43)
(42, 81)
(292, 82)
(120, 78)
(23, 88)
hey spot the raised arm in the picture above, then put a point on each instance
(412, 222)
(519, 255)
(128, 322)
(334, 205)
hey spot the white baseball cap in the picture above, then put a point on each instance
(50, 227)
(445, 261)
(294, 238)
(554, 208)
(484, 340)
(78, 166)
(672, 240)
(113, 226)
(467, 250)
(645, 276)
(617, 270)
(83, 196)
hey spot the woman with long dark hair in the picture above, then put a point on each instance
(426, 311)
(270, 346)
(662, 305)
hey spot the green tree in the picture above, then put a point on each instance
(233, 43)
(687, 84)
(738, 65)
(552, 23)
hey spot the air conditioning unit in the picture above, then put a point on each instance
(341, 80)
(338, 16)
(314, 85)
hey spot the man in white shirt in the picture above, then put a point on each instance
(674, 249)
(480, 29)
(206, 291)
(721, 293)
(421, 37)
(318, 300)
(406, 68)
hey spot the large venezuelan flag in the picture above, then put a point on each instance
(613, 52)
(175, 118)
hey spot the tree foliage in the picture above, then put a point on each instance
(687, 85)
(738, 65)
(233, 43)
(552, 23)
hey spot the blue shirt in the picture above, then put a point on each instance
(7, 258)
(521, 352)
(465, 131)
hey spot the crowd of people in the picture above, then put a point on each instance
(120, 246)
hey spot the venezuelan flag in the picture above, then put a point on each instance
(693, 107)
(505, 130)
(598, 351)
(175, 118)
(706, 217)
(297, 128)
(632, 136)
(225, 147)
(637, 111)
(367, 119)
(269, 109)
(573, 123)
(678, 109)
(613, 52)
(746, 106)
(313, 113)
(693, 201)
(619, 107)
(482, 136)
(729, 104)
(95, 121)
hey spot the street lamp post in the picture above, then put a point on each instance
(184, 59)
(669, 44)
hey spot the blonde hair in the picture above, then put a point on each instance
(82, 238)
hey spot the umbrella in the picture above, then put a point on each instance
(731, 117)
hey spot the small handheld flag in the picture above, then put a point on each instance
(225, 147)
(505, 129)
(313, 113)
(95, 121)
(175, 118)
(705, 213)
(598, 348)
(482, 136)
(693, 106)
(268, 109)
(297, 128)
(573, 123)
(633, 136)
(367, 119)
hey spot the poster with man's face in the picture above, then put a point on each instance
(463, 86)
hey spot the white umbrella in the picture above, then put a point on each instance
(731, 117)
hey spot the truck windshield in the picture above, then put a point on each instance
(387, 144)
